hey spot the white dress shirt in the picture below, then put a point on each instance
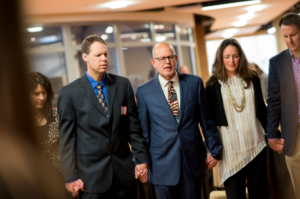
(164, 85)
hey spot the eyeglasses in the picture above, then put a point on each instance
(163, 59)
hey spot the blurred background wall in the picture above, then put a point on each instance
(55, 30)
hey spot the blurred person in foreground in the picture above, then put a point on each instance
(170, 106)
(284, 99)
(97, 119)
(22, 174)
(184, 69)
(235, 99)
(46, 126)
(263, 79)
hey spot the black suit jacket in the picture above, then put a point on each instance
(93, 146)
(215, 102)
(282, 100)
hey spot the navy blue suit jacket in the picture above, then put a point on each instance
(282, 101)
(168, 141)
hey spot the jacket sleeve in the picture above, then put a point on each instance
(136, 139)
(210, 101)
(274, 104)
(67, 140)
(208, 125)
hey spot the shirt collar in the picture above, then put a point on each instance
(163, 82)
(94, 83)
(292, 55)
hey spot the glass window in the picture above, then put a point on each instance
(79, 33)
(186, 60)
(112, 62)
(51, 65)
(164, 32)
(42, 36)
(138, 68)
(136, 32)
(178, 58)
(183, 32)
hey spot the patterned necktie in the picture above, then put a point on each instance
(101, 98)
(172, 101)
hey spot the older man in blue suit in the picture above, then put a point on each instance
(170, 107)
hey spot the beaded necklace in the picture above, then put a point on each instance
(238, 108)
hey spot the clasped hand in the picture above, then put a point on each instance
(210, 162)
(141, 172)
(74, 187)
(277, 145)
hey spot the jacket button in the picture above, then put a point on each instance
(179, 149)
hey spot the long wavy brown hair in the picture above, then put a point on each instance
(219, 71)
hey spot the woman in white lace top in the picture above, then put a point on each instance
(236, 102)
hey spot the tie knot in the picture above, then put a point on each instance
(170, 83)
(99, 86)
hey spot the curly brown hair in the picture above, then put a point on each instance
(219, 72)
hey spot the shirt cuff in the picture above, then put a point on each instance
(72, 180)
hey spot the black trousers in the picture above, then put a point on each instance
(116, 191)
(255, 173)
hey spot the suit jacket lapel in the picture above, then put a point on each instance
(161, 97)
(111, 88)
(88, 92)
(183, 95)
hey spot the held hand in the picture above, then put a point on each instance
(277, 145)
(210, 162)
(74, 187)
(141, 172)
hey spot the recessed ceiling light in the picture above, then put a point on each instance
(255, 8)
(230, 5)
(117, 4)
(272, 30)
(109, 30)
(35, 29)
(32, 39)
(104, 36)
(246, 17)
(239, 23)
(156, 27)
(229, 33)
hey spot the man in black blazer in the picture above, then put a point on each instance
(284, 99)
(98, 118)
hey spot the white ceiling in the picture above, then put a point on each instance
(224, 18)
